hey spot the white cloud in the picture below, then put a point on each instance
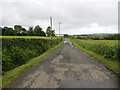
(94, 29)
(84, 16)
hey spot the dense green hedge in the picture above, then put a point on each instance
(18, 51)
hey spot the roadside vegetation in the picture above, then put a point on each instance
(21, 52)
(18, 51)
(22, 48)
(106, 51)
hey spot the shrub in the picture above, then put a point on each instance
(18, 51)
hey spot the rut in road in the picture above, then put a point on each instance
(67, 67)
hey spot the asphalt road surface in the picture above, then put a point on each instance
(67, 67)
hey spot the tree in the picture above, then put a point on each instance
(30, 32)
(43, 33)
(38, 31)
(53, 33)
(4, 29)
(8, 31)
(66, 35)
(50, 32)
(18, 29)
(23, 32)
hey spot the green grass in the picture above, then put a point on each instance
(107, 42)
(9, 76)
(111, 64)
(29, 37)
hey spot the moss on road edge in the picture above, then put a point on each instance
(12, 74)
(113, 66)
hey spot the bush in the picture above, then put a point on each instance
(18, 51)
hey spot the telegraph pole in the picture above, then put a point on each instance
(51, 22)
(51, 28)
(59, 28)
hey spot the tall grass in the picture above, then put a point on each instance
(106, 48)
(105, 51)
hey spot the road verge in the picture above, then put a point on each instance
(9, 76)
(111, 65)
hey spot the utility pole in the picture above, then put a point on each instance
(51, 28)
(51, 22)
(59, 28)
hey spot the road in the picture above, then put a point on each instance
(67, 67)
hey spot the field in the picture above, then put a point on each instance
(107, 42)
(106, 51)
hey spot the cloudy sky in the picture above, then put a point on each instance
(76, 16)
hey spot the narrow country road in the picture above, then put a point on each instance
(67, 67)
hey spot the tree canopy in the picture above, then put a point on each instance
(18, 30)
(50, 32)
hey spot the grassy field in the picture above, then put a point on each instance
(99, 42)
(104, 51)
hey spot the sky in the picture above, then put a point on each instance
(75, 16)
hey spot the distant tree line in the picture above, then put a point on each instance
(18, 30)
(107, 37)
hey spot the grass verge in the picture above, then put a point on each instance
(112, 65)
(12, 74)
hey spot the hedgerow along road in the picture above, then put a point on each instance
(67, 67)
